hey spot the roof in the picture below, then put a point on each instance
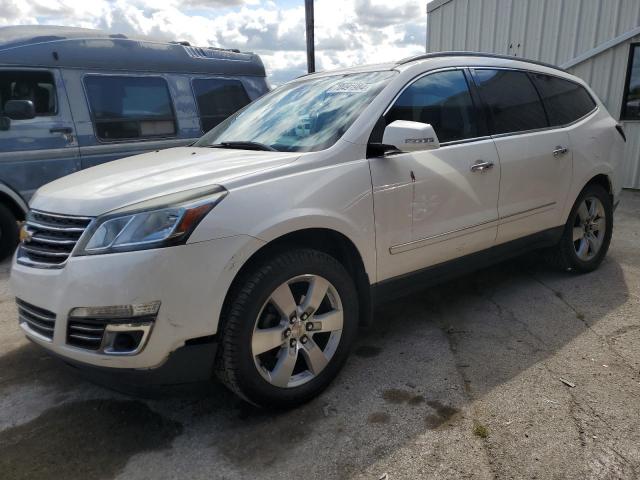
(68, 47)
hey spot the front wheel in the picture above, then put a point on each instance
(587, 233)
(287, 329)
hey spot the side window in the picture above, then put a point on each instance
(130, 107)
(631, 99)
(39, 87)
(217, 99)
(564, 101)
(442, 100)
(512, 101)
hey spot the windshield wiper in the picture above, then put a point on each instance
(244, 146)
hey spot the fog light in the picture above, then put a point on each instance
(127, 341)
(117, 311)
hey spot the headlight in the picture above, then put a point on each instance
(159, 222)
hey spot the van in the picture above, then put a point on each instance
(73, 98)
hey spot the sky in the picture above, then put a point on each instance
(348, 32)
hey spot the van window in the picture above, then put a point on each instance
(442, 100)
(38, 87)
(217, 99)
(130, 107)
(512, 101)
(564, 101)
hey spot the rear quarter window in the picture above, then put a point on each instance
(565, 101)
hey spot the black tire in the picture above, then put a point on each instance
(564, 256)
(235, 365)
(9, 234)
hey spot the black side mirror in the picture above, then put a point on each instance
(19, 109)
(5, 124)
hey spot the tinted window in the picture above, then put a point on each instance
(564, 101)
(38, 87)
(631, 99)
(513, 103)
(442, 100)
(130, 107)
(217, 99)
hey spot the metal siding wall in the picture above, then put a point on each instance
(553, 31)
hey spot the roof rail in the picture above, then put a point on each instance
(426, 56)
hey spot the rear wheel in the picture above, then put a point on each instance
(587, 233)
(9, 235)
(287, 329)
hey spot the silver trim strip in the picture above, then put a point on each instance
(30, 249)
(26, 261)
(58, 215)
(86, 338)
(36, 323)
(83, 328)
(423, 242)
(42, 226)
(50, 241)
(530, 210)
(25, 327)
(34, 314)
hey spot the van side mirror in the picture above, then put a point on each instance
(19, 109)
(409, 136)
(5, 124)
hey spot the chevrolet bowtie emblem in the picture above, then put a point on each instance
(25, 235)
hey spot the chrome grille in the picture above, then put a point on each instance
(50, 238)
(37, 319)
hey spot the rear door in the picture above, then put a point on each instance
(535, 159)
(41, 149)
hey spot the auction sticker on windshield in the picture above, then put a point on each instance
(349, 87)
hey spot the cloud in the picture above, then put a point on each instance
(348, 32)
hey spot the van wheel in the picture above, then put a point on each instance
(9, 235)
(587, 233)
(287, 329)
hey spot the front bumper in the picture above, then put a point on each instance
(190, 281)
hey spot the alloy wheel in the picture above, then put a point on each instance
(297, 331)
(589, 228)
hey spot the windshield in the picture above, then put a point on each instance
(302, 116)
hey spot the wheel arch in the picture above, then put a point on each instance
(325, 240)
(13, 201)
(603, 180)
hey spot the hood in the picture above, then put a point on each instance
(123, 182)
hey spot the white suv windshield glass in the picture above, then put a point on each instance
(300, 117)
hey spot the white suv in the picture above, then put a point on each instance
(256, 252)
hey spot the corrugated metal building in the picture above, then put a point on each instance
(593, 39)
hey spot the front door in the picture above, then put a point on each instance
(436, 205)
(41, 149)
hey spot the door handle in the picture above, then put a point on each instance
(481, 166)
(64, 130)
(560, 150)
